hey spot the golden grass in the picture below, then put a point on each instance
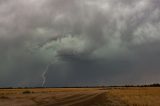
(138, 96)
(134, 96)
(44, 90)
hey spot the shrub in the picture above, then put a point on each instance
(27, 92)
(4, 97)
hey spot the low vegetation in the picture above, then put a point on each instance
(26, 92)
(4, 97)
(137, 96)
(104, 96)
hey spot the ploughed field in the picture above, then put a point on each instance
(122, 96)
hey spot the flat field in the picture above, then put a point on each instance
(119, 96)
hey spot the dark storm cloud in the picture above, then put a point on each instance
(88, 42)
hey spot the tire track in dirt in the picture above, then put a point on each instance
(83, 101)
(76, 100)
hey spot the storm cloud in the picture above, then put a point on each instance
(87, 42)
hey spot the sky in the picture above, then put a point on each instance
(56, 43)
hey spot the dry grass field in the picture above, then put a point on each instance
(134, 96)
(138, 96)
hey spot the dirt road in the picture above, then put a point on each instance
(82, 99)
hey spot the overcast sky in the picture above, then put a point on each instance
(79, 42)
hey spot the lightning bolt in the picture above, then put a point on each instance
(44, 74)
(46, 70)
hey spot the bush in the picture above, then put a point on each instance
(27, 92)
(4, 97)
